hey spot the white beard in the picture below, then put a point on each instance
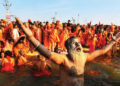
(75, 54)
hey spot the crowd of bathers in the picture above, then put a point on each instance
(14, 46)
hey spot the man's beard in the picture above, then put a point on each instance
(73, 54)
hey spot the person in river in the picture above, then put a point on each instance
(21, 60)
(8, 62)
(71, 64)
(39, 67)
(19, 46)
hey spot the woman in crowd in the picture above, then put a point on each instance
(8, 62)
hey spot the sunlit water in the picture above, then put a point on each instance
(96, 74)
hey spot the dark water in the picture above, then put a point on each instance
(103, 74)
(23, 77)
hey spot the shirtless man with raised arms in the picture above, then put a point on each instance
(71, 64)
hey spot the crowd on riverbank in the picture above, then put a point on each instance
(14, 46)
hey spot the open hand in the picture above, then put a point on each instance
(26, 29)
(117, 37)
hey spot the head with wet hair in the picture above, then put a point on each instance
(73, 46)
(11, 40)
(8, 53)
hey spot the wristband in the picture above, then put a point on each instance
(42, 50)
(37, 46)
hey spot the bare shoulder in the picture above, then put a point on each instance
(58, 58)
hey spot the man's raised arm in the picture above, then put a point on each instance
(42, 50)
(57, 58)
(91, 56)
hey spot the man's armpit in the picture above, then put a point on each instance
(58, 58)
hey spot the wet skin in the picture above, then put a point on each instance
(72, 71)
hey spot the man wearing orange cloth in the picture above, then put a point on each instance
(92, 43)
(63, 37)
(38, 34)
(45, 37)
(1, 32)
(53, 39)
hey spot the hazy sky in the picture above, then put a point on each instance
(106, 11)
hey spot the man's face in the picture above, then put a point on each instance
(75, 45)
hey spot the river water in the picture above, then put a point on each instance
(105, 73)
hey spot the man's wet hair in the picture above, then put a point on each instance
(15, 25)
(1, 20)
(73, 28)
(10, 40)
(83, 29)
(108, 34)
(8, 53)
(68, 41)
(38, 56)
(47, 22)
(1, 26)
